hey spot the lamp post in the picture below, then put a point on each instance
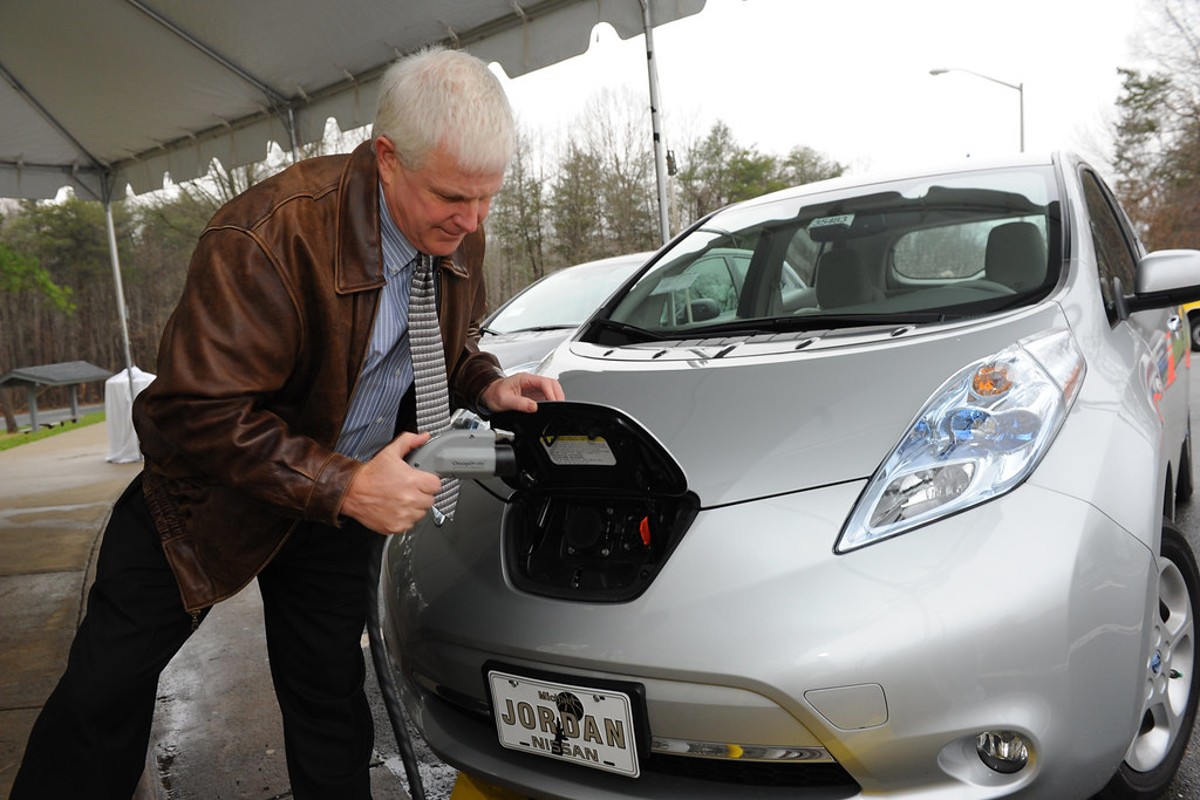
(1020, 87)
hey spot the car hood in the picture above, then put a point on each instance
(762, 416)
(522, 347)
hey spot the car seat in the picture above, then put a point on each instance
(1016, 256)
(841, 281)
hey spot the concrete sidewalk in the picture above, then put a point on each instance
(217, 732)
(55, 496)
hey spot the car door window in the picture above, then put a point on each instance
(704, 291)
(1115, 257)
(715, 282)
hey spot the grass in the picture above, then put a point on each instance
(11, 440)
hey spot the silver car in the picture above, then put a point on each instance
(886, 513)
(529, 324)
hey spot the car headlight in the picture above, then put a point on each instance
(979, 436)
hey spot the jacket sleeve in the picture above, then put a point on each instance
(228, 351)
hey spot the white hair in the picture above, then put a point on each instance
(449, 98)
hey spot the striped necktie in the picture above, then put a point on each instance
(429, 372)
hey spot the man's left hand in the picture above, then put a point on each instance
(520, 392)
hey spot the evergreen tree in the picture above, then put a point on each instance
(576, 209)
(1157, 133)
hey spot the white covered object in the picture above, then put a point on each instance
(118, 408)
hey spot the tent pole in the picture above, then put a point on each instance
(116, 267)
(660, 157)
(292, 138)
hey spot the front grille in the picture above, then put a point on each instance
(754, 773)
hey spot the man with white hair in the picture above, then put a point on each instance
(290, 386)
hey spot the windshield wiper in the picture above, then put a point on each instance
(543, 328)
(611, 332)
(531, 329)
(810, 322)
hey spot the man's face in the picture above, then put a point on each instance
(437, 205)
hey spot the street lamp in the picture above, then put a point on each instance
(1020, 87)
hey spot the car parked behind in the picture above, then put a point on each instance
(527, 326)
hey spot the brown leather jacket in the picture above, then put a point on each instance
(259, 361)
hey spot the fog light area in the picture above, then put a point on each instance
(1002, 751)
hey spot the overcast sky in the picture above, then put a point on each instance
(851, 78)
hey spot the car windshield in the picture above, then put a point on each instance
(562, 299)
(905, 252)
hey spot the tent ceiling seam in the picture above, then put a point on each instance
(96, 164)
(275, 97)
(277, 102)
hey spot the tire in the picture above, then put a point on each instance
(1194, 322)
(1170, 706)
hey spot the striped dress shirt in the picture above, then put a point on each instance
(387, 372)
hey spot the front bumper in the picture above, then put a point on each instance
(1027, 613)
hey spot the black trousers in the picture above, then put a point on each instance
(91, 737)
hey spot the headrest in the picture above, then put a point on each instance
(841, 281)
(1016, 255)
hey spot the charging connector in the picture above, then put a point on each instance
(461, 453)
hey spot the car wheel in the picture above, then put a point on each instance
(1172, 685)
(1195, 324)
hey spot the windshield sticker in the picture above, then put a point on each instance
(824, 222)
(578, 451)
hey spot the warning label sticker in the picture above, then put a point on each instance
(579, 451)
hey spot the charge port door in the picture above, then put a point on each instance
(598, 507)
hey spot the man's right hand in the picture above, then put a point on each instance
(388, 496)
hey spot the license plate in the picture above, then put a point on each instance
(580, 724)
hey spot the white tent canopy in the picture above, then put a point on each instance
(107, 93)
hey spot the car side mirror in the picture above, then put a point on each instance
(1166, 278)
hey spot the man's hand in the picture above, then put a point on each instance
(520, 392)
(388, 496)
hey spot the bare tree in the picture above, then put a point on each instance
(22, 282)
(616, 131)
(516, 226)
